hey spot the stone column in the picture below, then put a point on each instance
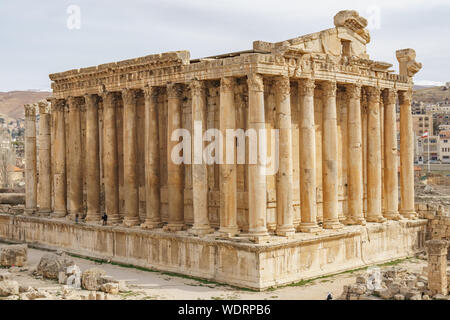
(406, 156)
(257, 197)
(307, 153)
(152, 175)
(355, 168)
(30, 160)
(44, 187)
(437, 266)
(201, 224)
(59, 176)
(374, 184)
(390, 188)
(92, 159)
(175, 171)
(285, 209)
(76, 180)
(111, 169)
(227, 178)
(330, 158)
(131, 195)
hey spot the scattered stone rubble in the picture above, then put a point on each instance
(92, 284)
(394, 284)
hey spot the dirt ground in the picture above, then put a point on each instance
(156, 285)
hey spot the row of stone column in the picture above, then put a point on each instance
(228, 190)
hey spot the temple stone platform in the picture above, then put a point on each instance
(237, 261)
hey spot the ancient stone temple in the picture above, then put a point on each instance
(337, 198)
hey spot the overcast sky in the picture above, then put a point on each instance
(35, 38)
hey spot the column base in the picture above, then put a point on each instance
(309, 227)
(393, 216)
(171, 227)
(150, 224)
(201, 231)
(44, 212)
(378, 219)
(93, 218)
(285, 231)
(131, 221)
(332, 225)
(58, 214)
(355, 221)
(228, 231)
(29, 211)
(114, 218)
(408, 214)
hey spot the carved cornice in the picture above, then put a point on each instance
(174, 90)
(30, 110)
(329, 89)
(405, 97)
(306, 87)
(227, 84)
(255, 82)
(389, 96)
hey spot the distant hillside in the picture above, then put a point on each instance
(11, 103)
(432, 94)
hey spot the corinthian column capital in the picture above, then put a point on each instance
(197, 88)
(129, 96)
(255, 82)
(91, 99)
(58, 104)
(353, 91)
(283, 87)
(150, 92)
(174, 90)
(373, 96)
(227, 84)
(329, 88)
(75, 102)
(306, 87)
(405, 97)
(44, 107)
(389, 96)
(30, 109)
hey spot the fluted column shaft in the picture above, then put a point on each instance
(111, 169)
(257, 197)
(355, 168)
(92, 159)
(76, 180)
(30, 160)
(228, 187)
(152, 176)
(175, 171)
(131, 194)
(407, 208)
(390, 187)
(285, 209)
(44, 188)
(59, 176)
(307, 153)
(201, 224)
(330, 179)
(374, 184)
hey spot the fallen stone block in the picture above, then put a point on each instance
(90, 279)
(111, 288)
(13, 255)
(399, 297)
(51, 265)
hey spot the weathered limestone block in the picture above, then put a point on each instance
(51, 265)
(12, 198)
(91, 279)
(437, 266)
(111, 288)
(8, 288)
(13, 255)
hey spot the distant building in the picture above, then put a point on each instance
(422, 123)
(444, 146)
